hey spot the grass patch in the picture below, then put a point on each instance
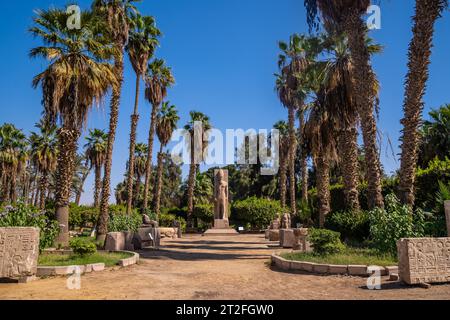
(353, 256)
(109, 259)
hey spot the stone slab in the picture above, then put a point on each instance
(357, 270)
(424, 260)
(287, 238)
(171, 233)
(266, 234)
(321, 268)
(19, 252)
(337, 269)
(221, 232)
(274, 235)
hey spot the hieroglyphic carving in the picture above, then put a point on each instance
(424, 260)
(19, 252)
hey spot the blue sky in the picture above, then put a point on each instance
(223, 55)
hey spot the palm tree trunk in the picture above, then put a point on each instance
(323, 189)
(68, 139)
(283, 180)
(131, 162)
(137, 189)
(303, 161)
(365, 101)
(348, 148)
(191, 185)
(148, 169)
(43, 190)
(157, 200)
(292, 152)
(81, 189)
(13, 190)
(98, 185)
(114, 116)
(427, 12)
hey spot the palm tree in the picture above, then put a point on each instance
(75, 79)
(347, 16)
(82, 171)
(283, 129)
(292, 91)
(158, 79)
(196, 158)
(141, 46)
(321, 134)
(141, 152)
(166, 123)
(116, 13)
(13, 155)
(427, 13)
(96, 148)
(303, 152)
(44, 155)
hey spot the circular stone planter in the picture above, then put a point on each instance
(43, 271)
(329, 269)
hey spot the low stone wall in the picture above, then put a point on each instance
(328, 269)
(43, 271)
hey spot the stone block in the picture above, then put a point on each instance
(447, 216)
(321, 268)
(338, 269)
(274, 235)
(170, 233)
(287, 238)
(297, 265)
(391, 270)
(424, 260)
(357, 270)
(308, 266)
(115, 241)
(266, 234)
(19, 252)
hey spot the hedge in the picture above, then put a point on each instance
(256, 212)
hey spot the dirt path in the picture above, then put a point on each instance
(195, 267)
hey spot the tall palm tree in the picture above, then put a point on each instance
(158, 79)
(82, 171)
(96, 148)
(321, 134)
(283, 129)
(293, 62)
(347, 16)
(75, 79)
(141, 153)
(44, 155)
(116, 13)
(427, 13)
(13, 154)
(141, 46)
(303, 152)
(190, 127)
(166, 123)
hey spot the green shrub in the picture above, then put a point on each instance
(204, 212)
(81, 216)
(23, 216)
(353, 226)
(167, 220)
(124, 223)
(151, 214)
(82, 247)
(259, 213)
(179, 212)
(325, 241)
(396, 221)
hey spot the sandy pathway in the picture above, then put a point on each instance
(195, 267)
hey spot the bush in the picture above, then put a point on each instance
(179, 212)
(396, 221)
(82, 247)
(204, 212)
(353, 226)
(259, 213)
(167, 220)
(81, 216)
(325, 242)
(124, 223)
(23, 216)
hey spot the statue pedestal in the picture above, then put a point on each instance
(221, 228)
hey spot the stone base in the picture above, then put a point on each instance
(221, 224)
(221, 232)
(274, 235)
(287, 238)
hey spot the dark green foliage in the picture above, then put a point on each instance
(167, 220)
(325, 241)
(396, 221)
(353, 226)
(178, 212)
(204, 212)
(124, 223)
(82, 247)
(23, 216)
(259, 213)
(81, 216)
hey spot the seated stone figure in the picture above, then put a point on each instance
(275, 225)
(146, 221)
(286, 221)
